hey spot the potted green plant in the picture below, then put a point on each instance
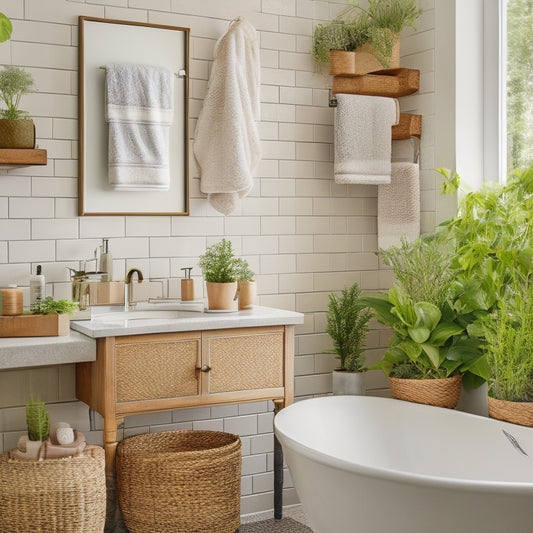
(347, 326)
(221, 267)
(246, 285)
(432, 347)
(38, 424)
(371, 36)
(509, 350)
(16, 128)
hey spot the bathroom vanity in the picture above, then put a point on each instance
(156, 362)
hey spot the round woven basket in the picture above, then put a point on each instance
(439, 392)
(515, 412)
(52, 495)
(180, 482)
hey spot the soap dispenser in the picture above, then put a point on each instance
(106, 261)
(37, 287)
(187, 286)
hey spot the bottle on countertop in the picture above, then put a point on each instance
(106, 261)
(187, 286)
(37, 287)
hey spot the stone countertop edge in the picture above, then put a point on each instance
(26, 352)
(255, 317)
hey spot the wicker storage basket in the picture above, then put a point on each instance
(515, 412)
(53, 495)
(439, 392)
(180, 482)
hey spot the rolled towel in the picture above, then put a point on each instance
(399, 206)
(363, 137)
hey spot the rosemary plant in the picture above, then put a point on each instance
(347, 325)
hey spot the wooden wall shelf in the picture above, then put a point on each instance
(409, 126)
(18, 157)
(392, 83)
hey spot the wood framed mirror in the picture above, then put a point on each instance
(106, 41)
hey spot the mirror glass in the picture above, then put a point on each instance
(142, 46)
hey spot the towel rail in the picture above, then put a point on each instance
(180, 74)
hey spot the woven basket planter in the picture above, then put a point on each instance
(516, 412)
(180, 482)
(66, 495)
(439, 392)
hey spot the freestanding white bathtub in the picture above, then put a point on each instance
(375, 465)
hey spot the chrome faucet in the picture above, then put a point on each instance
(128, 293)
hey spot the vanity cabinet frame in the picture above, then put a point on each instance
(135, 374)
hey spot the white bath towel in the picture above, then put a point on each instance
(139, 110)
(363, 138)
(399, 206)
(226, 144)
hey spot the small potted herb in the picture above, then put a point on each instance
(221, 270)
(246, 285)
(16, 128)
(347, 325)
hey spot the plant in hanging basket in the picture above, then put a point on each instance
(16, 128)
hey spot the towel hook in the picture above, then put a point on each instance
(332, 100)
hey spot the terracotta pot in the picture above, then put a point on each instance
(247, 292)
(221, 296)
(17, 133)
(439, 392)
(352, 383)
(515, 412)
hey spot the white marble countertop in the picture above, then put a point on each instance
(25, 352)
(119, 323)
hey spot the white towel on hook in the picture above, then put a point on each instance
(139, 110)
(226, 144)
(363, 138)
(399, 206)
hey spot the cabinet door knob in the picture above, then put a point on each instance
(205, 368)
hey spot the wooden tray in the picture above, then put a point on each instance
(34, 325)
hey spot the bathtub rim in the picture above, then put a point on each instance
(521, 488)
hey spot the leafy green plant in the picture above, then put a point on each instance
(347, 325)
(220, 265)
(244, 272)
(49, 306)
(14, 83)
(378, 25)
(432, 338)
(6, 28)
(37, 420)
(509, 346)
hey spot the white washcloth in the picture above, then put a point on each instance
(226, 144)
(399, 206)
(139, 110)
(363, 138)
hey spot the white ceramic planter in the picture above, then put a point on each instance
(352, 383)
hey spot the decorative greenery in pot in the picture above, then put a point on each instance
(16, 128)
(221, 269)
(49, 306)
(347, 325)
(378, 26)
(38, 424)
(431, 339)
(246, 285)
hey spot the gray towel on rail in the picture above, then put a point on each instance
(139, 110)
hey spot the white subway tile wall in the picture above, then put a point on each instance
(304, 235)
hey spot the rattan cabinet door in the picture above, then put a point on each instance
(243, 359)
(161, 366)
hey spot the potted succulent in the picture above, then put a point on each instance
(432, 346)
(16, 128)
(371, 36)
(246, 285)
(347, 326)
(221, 268)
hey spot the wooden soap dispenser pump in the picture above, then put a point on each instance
(187, 285)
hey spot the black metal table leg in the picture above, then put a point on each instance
(278, 479)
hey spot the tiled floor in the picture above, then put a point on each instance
(293, 511)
